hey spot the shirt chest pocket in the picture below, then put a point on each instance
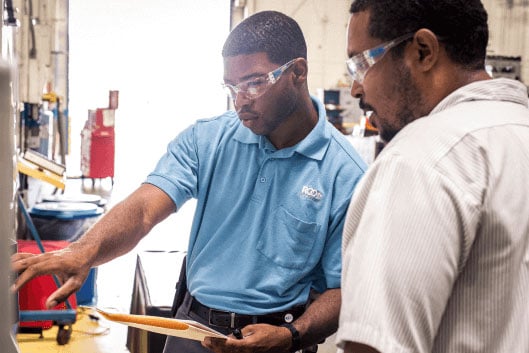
(287, 240)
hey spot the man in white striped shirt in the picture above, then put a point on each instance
(436, 240)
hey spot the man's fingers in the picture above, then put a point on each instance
(26, 269)
(63, 292)
(19, 261)
(28, 266)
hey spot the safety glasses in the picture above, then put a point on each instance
(256, 87)
(359, 65)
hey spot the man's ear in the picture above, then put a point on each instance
(300, 70)
(425, 48)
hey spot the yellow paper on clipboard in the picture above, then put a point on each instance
(166, 326)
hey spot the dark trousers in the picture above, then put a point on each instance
(182, 345)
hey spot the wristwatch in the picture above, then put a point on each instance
(296, 340)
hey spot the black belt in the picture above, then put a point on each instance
(228, 319)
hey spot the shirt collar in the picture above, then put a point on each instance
(500, 89)
(314, 145)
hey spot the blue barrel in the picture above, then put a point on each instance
(64, 220)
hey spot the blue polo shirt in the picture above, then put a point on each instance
(268, 222)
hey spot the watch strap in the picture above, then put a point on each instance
(296, 339)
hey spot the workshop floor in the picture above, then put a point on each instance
(88, 336)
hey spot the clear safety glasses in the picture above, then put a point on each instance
(359, 65)
(256, 87)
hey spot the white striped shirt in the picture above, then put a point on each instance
(436, 239)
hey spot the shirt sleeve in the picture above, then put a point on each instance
(177, 171)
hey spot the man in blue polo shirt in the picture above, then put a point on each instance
(273, 180)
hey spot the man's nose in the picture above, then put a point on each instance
(240, 99)
(357, 90)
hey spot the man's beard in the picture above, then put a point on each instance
(410, 103)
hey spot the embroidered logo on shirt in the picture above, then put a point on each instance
(311, 193)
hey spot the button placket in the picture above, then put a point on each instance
(262, 184)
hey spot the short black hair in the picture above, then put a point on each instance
(461, 25)
(270, 32)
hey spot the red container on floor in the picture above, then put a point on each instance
(33, 295)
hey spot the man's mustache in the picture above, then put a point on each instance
(365, 107)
